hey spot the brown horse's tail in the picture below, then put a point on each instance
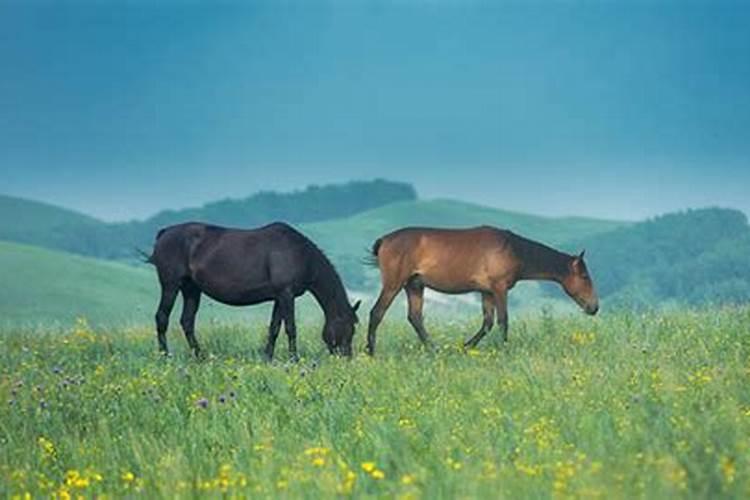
(376, 247)
(372, 258)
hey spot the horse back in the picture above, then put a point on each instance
(447, 259)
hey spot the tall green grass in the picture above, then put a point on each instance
(619, 405)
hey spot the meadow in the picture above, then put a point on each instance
(621, 405)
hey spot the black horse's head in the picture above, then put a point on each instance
(339, 331)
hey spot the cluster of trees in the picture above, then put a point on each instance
(312, 204)
(694, 257)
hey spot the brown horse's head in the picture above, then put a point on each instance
(338, 332)
(579, 286)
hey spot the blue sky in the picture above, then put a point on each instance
(608, 109)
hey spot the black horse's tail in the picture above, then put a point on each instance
(147, 258)
(372, 258)
(143, 256)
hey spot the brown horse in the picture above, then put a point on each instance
(481, 259)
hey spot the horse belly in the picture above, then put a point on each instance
(448, 281)
(233, 290)
(239, 296)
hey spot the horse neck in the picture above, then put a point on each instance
(328, 290)
(540, 262)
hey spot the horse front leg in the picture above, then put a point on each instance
(273, 330)
(290, 326)
(415, 297)
(191, 297)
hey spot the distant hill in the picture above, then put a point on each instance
(693, 257)
(349, 240)
(48, 226)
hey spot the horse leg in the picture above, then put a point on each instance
(273, 329)
(501, 304)
(191, 299)
(415, 295)
(488, 311)
(290, 326)
(168, 296)
(377, 312)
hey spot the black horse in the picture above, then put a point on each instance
(243, 267)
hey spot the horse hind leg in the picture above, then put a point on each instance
(488, 313)
(191, 296)
(166, 303)
(387, 294)
(273, 330)
(415, 295)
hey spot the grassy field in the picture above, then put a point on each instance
(620, 405)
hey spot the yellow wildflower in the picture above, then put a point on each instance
(317, 450)
(48, 447)
(728, 469)
(368, 466)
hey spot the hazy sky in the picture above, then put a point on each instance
(619, 110)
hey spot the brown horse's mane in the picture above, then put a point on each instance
(537, 258)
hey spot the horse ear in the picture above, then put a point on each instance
(356, 305)
(583, 252)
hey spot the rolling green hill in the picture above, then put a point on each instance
(41, 285)
(49, 226)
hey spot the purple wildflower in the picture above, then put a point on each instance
(202, 403)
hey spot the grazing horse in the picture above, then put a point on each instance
(244, 267)
(481, 259)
